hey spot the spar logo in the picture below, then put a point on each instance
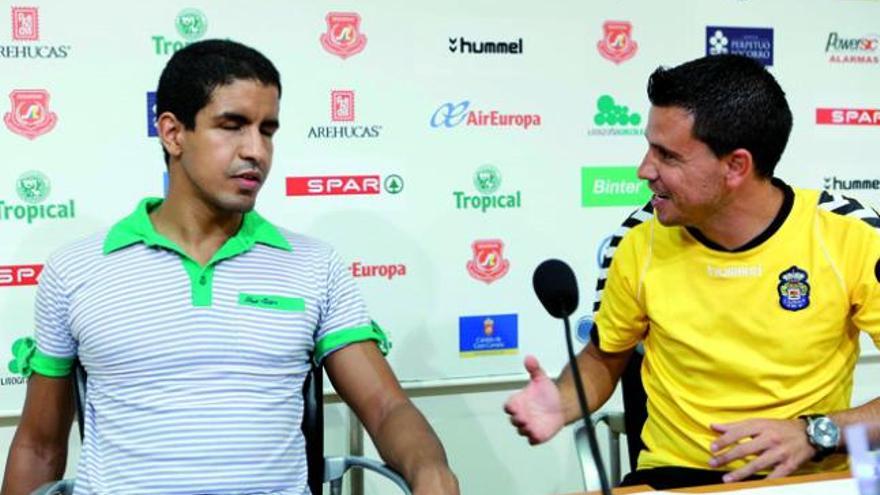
(848, 116)
(843, 49)
(30, 115)
(617, 44)
(343, 185)
(451, 115)
(755, 43)
(488, 263)
(362, 270)
(33, 188)
(19, 275)
(487, 181)
(343, 37)
(190, 24)
(26, 31)
(342, 114)
(612, 119)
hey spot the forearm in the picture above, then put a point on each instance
(599, 374)
(28, 468)
(866, 413)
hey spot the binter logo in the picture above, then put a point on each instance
(617, 44)
(852, 50)
(30, 115)
(612, 186)
(755, 43)
(362, 270)
(190, 24)
(451, 115)
(18, 275)
(342, 185)
(26, 29)
(343, 36)
(848, 116)
(342, 112)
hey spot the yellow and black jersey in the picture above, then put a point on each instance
(767, 331)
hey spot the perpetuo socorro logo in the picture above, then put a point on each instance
(848, 116)
(488, 263)
(755, 43)
(343, 36)
(191, 25)
(33, 188)
(19, 275)
(486, 335)
(617, 44)
(342, 116)
(26, 38)
(360, 269)
(451, 115)
(612, 186)
(612, 119)
(30, 115)
(151, 114)
(341, 185)
(487, 181)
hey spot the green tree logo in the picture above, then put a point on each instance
(609, 113)
(191, 24)
(487, 179)
(33, 187)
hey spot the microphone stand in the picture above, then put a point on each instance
(582, 400)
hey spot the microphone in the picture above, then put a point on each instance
(556, 288)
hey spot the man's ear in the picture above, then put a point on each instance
(740, 166)
(171, 132)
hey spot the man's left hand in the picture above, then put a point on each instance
(780, 444)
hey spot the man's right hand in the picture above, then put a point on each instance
(536, 410)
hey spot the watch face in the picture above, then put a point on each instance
(825, 433)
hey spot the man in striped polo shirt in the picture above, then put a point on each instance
(196, 320)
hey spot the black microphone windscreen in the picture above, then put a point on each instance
(556, 287)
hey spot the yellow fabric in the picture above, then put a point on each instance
(720, 347)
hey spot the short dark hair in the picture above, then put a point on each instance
(194, 72)
(735, 102)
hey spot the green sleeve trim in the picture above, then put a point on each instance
(348, 336)
(27, 359)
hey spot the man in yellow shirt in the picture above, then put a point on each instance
(747, 293)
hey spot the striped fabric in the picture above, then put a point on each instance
(846, 206)
(187, 399)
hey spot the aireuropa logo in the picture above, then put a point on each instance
(26, 30)
(342, 109)
(617, 44)
(852, 50)
(486, 335)
(487, 181)
(612, 119)
(612, 186)
(151, 114)
(190, 24)
(487, 263)
(30, 115)
(833, 183)
(33, 188)
(848, 116)
(19, 275)
(755, 43)
(451, 115)
(343, 36)
(363, 270)
(462, 46)
(343, 185)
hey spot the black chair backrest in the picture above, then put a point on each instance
(313, 427)
(635, 407)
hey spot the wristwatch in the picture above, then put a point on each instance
(823, 434)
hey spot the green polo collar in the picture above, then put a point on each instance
(137, 227)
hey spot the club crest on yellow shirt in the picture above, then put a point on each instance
(794, 290)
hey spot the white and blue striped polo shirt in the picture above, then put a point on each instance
(195, 373)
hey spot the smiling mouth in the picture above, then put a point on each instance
(251, 176)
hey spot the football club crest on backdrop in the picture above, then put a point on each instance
(617, 44)
(343, 36)
(30, 115)
(488, 263)
(794, 289)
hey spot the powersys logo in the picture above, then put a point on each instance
(344, 185)
(612, 119)
(190, 24)
(852, 50)
(26, 38)
(19, 275)
(755, 43)
(342, 114)
(487, 181)
(360, 269)
(451, 115)
(30, 115)
(612, 186)
(151, 114)
(848, 116)
(462, 46)
(33, 188)
(488, 263)
(617, 44)
(486, 335)
(343, 37)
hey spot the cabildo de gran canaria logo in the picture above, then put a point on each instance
(487, 180)
(191, 25)
(33, 189)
